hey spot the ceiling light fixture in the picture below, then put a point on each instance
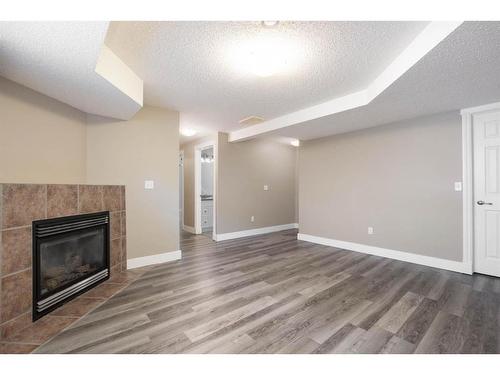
(188, 132)
(295, 143)
(264, 55)
(270, 23)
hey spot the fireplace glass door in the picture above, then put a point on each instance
(69, 258)
(71, 255)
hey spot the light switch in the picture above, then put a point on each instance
(266, 188)
(458, 186)
(149, 184)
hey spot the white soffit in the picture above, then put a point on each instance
(463, 71)
(430, 37)
(68, 61)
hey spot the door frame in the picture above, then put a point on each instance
(468, 182)
(181, 183)
(197, 186)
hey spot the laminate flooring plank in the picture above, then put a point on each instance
(339, 316)
(482, 314)
(268, 315)
(302, 345)
(417, 324)
(454, 298)
(397, 345)
(371, 342)
(446, 334)
(234, 345)
(314, 322)
(397, 315)
(198, 332)
(336, 339)
(394, 291)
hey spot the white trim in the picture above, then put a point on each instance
(189, 229)
(430, 37)
(467, 192)
(181, 154)
(254, 232)
(214, 189)
(153, 259)
(481, 108)
(445, 264)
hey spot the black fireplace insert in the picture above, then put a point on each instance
(70, 256)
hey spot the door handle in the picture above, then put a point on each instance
(483, 202)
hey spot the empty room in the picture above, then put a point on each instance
(249, 186)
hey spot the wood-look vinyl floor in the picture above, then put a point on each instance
(275, 294)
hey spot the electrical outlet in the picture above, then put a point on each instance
(252, 219)
(149, 184)
(266, 187)
(370, 230)
(458, 186)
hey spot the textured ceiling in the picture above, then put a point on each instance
(187, 66)
(59, 59)
(462, 71)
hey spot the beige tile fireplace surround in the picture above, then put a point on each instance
(20, 205)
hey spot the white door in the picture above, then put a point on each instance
(486, 135)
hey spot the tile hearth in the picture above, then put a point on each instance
(34, 334)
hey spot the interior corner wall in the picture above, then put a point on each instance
(41, 139)
(397, 178)
(243, 168)
(145, 147)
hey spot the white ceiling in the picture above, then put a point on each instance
(187, 65)
(59, 59)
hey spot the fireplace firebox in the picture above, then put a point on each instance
(70, 255)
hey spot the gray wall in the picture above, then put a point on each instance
(242, 171)
(397, 178)
(145, 147)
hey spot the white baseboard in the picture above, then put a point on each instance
(189, 229)
(254, 232)
(445, 264)
(153, 259)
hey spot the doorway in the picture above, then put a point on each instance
(205, 192)
(482, 203)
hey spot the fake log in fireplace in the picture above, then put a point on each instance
(70, 256)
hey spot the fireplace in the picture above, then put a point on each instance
(70, 255)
